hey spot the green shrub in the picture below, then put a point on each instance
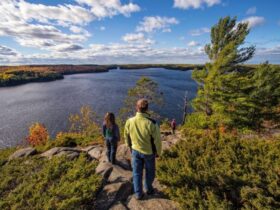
(70, 140)
(197, 120)
(223, 173)
(165, 125)
(74, 139)
(36, 183)
(4, 155)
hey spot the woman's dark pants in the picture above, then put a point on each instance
(111, 150)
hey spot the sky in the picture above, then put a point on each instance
(128, 31)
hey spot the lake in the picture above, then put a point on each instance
(51, 103)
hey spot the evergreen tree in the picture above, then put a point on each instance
(230, 94)
(144, 88)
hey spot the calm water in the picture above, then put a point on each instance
(52, 102)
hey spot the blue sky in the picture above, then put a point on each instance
(122, 31)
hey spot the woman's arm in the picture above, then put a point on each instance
(104, 130)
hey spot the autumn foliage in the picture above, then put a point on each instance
(38, 135)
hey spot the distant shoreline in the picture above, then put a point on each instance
(18, 75)
(23, 74)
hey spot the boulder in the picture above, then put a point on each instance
(124, 163)
(166, 145)
(70, 154)
(103, 157)
(118, 206)
(96, 152)
(88, 148)
(25, 152)
(123, 152)
(56, 150)
(111, 194)
(173, 139)
(104, 169)
(151, 204)
(118, 174)
(158, 187)
(51, 152)
(165, 133)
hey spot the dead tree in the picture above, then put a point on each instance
(186, 106)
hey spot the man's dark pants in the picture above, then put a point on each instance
(139, 162)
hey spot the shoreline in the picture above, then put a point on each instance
(19, 75)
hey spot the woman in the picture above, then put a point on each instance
(111, 134)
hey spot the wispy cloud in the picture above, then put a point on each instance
(102, 28)
(154, 23)
(254, 21)
(137, 38)
(193, 44)
(118, 53)
(109, 8)
(251, 11)
(6, 51)
(196, 4)
(199, 31)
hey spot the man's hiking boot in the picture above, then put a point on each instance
(139, 197)
(151, 192)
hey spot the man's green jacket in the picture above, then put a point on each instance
(139, 132)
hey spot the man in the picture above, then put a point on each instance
(142, 135)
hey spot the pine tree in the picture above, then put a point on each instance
(144, 88)
(221, 83)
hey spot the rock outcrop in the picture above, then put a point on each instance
(59, 151)
(113, 193)
(118, 206)
(95, 152)
(151, 203)
(117, 192)
(117, 189)
(25, 152)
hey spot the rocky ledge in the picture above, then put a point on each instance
(117, 188)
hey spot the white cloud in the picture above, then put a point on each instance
(117, 53)
(41, 26)
(254, 21)
(166, 30)
(153, 23)
(137, 38)
(271, 54)
(36, 35)
(109, 8)
(269, 51)
(6, 51)
(199, 32)
(60, 14)
(102, 28)
(114, 53)
(193, 44)
(186, 4)
(251, 11)
(79, 30)
(65, 47)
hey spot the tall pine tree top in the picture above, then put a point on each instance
(227, 94)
